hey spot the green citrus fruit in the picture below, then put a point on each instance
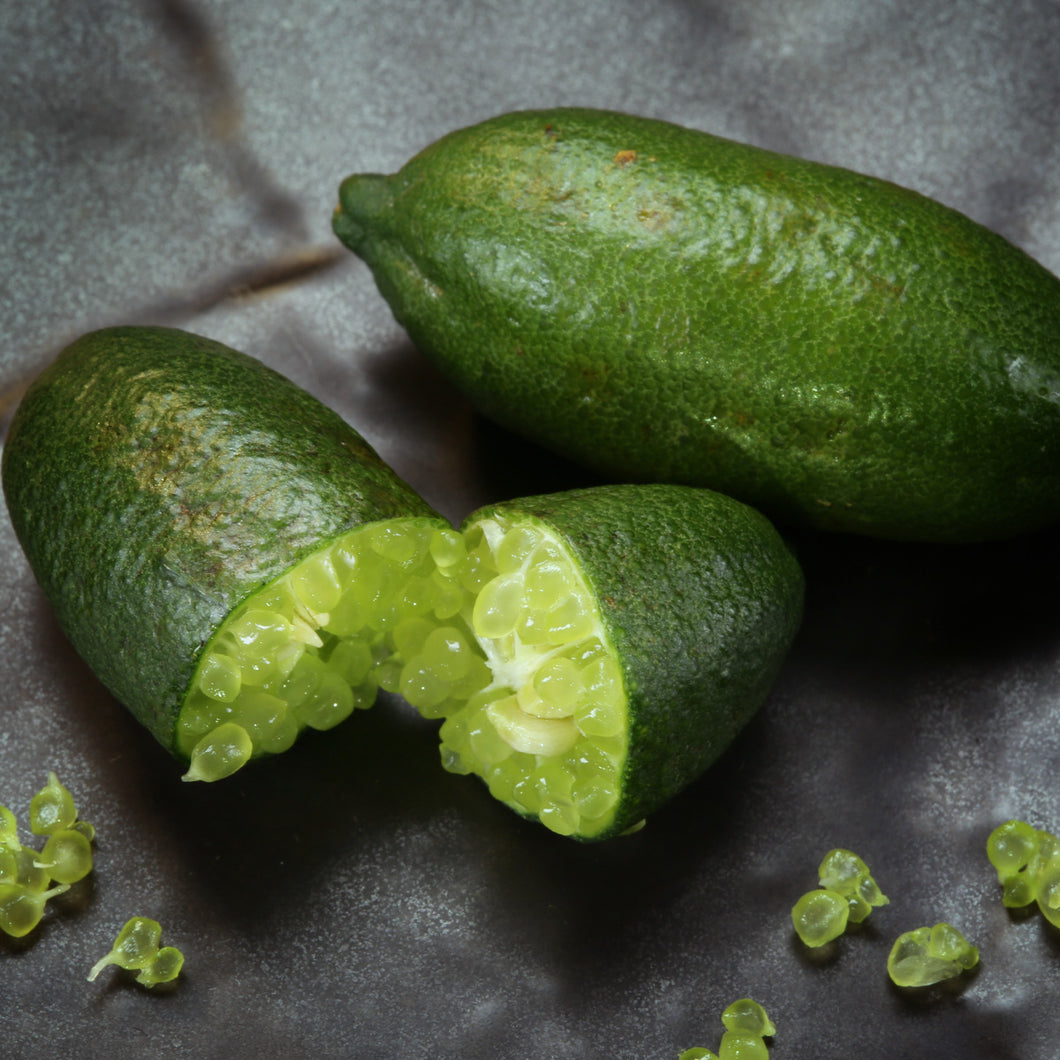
(225, 552)
(611, 643)
(665, 305)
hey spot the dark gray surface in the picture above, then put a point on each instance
(178, 163)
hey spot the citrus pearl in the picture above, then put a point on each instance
(820, 916)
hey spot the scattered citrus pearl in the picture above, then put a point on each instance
(820, 916)
(930, 955)
(136, 948)
(52, 808)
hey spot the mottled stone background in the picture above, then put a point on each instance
(176, 161)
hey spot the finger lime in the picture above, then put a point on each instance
(226, 553)
(665, 305)
(617, 639)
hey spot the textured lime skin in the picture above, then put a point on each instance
(701, 598)
(156, 479)
(664, 305)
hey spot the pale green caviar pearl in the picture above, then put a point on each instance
(1019, 889)
(447, 548)
(317, 585)
(749, 1016)
(820, 916)
(260, 634)
(422, 687)
(165, 967)
(478, 568)
(600, 719)
(220, 677)
(1010, 847)
(498, 607)
(137, 943)
(52, 808)
(351, 660)
(739, 1045)
(515, 548)
(547, 583)
(266, 721)
(330, 702)
(746, 1024)
(25, 873)
(392, 545)
(489, 747)
(220, 753)
(558, 689)
(448, 596)
(22, 908)
(447, 652)
(67, 856)
(31, 875)
(568, 621)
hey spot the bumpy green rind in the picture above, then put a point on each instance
(156, 479)
(702, 599)
(664, 305)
